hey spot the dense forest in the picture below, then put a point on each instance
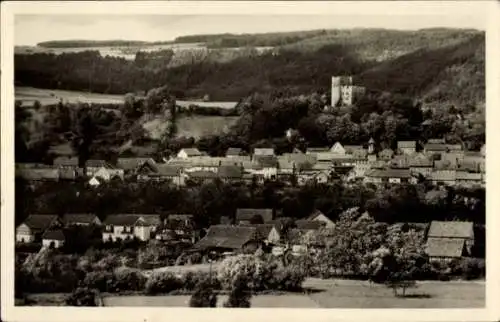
(441, 66)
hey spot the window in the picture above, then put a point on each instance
(109, 227)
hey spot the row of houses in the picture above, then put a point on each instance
(445, 240)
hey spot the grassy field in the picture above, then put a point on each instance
(28, 95)
(199, 125)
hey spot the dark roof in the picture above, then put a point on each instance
(228, 237)
(39, 222)
(263, 230)
(233, 152)
(389, 173)
(445, 247)
(53, 235)
(309, 224)
(180, 217)
(65, 161)
(122, 219)
(230, 171)
(248, 213)
(202, 174)
(132, 163)
(435, 147)
(97, 164)
(69, 219)
(168, 170)
(315, 214)
(38, 173)
(451, 229)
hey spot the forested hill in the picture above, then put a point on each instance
(440, 66)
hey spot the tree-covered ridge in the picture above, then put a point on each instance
(77, 43)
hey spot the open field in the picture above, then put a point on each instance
(342, 294)
(28, 95)
(199, 125)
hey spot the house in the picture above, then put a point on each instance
(446, 177)
(34, 226)
(263, 152)
(38, 174)
(69, 173)
(226, 238)
(94, 182)
(179, 227)
(131, 165)
(162, 172)
(128, 226)
(337, 148)
(246, 215)
(355, 149)
(436, 141)
(315, 150)
(389, 176)
(234, 152)
(189, 153)
(202, 176)
(66, 162)
(407, 147)
(419, 163)
(53, 238)
(267, 166)
(80, 220)
(306, 224)
(449, 239)
(93, 166)
(230, 173)
(386, 154)
(295, 240)
(269, 233)
(473, 162)
(319, 216)
(106, 174)
(435, 148)
(468, 179)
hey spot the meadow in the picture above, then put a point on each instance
(28, 95)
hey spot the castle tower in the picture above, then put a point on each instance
(371, 146)
(335, 91)
(342, 90)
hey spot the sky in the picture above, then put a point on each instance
(32, 29)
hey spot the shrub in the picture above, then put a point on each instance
(82, 296)
(162, 282)
(128, 280)
(191, 279)
(204, 295)
(100, 280)
(473, 268)
(240, 294)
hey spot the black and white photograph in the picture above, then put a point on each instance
(246, 160)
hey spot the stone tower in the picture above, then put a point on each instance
(342, 90)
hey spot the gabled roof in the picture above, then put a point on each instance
(53, 235)
(230, 171)
(191, 152)
(97, 164)
(150, 219)
(248, 213)
(313, 150)
(454, 147)
(65, 161)
(464, 175)
(69, 219)
(309, 224)
(389, 173)
(202, 175)
(315, 214)
(407, 144)
(168, 170)
(227, 237)
(350, 149)
(436, 141)
(122, 219)
(40, 222)
(443, 175)
(132, 163)
(263, 230)
(263, 151)
(437, 147)
(234, 152)
(445, 247)
(38, 173)
(180, 217)
(451, 229)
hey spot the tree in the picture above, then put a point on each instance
(82, 296)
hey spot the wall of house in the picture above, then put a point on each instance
(274, 236)
(394, 180)
(346, 94)
(407, 151)
(118, 232)
(335, 90)
(48, 242)
(24, 234)
(142, 232)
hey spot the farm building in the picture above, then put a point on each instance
(189, 153)
(53, 238)
(450, 239)
(225, 238)
(34, 226)
(246, 215)
(128, 226)
(80, 220)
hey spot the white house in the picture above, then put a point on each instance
(128, 226)
(189, 153)
(53, 238)
(338, 149)
(107, 174)
(34, 226)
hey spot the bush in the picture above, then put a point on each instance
(100, 280)
(240, 294)
(82, 296)
(128, 280)
(191, 279)
(473, 268)
(162, 283)
(204, 295)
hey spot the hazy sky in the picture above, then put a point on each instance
(32, 29)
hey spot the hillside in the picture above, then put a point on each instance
(441, 66)
(450, 75)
